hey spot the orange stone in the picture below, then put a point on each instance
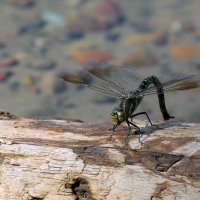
(7, 62)
(4, 76)
(141, 38)
(140, 58)
(185, 51)
(81, 57)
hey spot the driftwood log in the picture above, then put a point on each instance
(61, 160)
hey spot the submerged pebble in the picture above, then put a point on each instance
(141, 26)
(2, 45)
(41, 45)
(53, 18)
(185, 51)
(59, 87)
(75, 35)
(6, 62)
(112, 37)
(182, 27)
(27, 81)
(140, 58)
(32, 27)
(80, 46)
(52, 85)
(14, 86)
(81, 57)
(21, 3)
(102, 16)
(4, 75)
(111, 10)
(141, 38)
(43, 64)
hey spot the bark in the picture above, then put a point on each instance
(58, 160)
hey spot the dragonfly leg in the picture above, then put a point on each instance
(129, 131)
(112, 129)
(144, 113)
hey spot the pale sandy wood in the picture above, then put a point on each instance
(60, 160)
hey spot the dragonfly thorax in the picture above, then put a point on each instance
(125, 109)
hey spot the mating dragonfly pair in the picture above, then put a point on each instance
(127, 85)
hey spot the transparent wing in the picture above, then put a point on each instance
(88, 80)
(106, 78)
(123, 77)
(180, 82)
(118, 82)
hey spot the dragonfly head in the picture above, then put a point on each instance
(118, 115)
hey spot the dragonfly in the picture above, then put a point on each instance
(130, 87)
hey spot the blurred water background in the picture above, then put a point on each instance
(38, 38)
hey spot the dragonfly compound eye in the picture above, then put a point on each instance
(117, 116)
(114, 114)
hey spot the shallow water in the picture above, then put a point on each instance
(38, 39)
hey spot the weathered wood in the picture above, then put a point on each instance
(59, 160)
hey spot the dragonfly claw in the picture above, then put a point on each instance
(111, 139)
(112, 129)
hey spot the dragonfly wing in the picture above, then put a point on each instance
(87, 80)
(185, 83)
(123, 77)
(181, 82)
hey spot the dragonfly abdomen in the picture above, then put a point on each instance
(155, 81)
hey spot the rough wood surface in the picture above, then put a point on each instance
(58, 160)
